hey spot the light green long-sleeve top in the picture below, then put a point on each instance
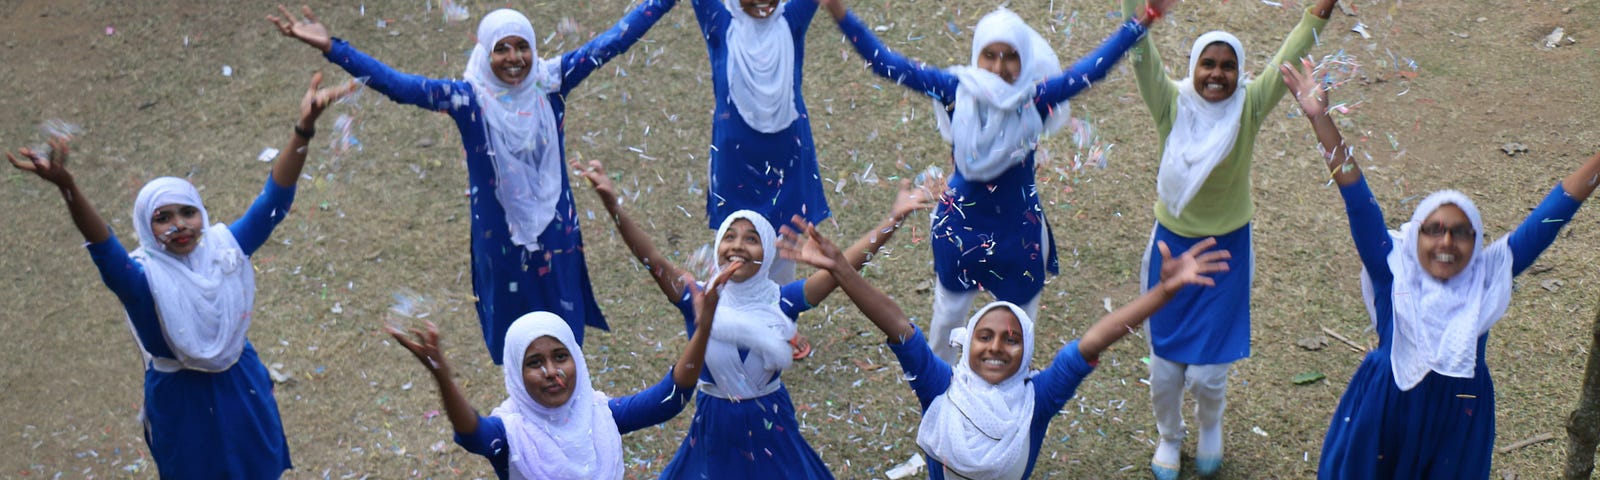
(1223, 203)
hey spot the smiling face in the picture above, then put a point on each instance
(1216, 74)
(549, 372)
(741, 242)
(1001, 59)
(1445, 242)
(510, 59)
(177, 227)
(758, 8)
(996, 347)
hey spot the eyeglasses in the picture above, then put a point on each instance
(1457, 232)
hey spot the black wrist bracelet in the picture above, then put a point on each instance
(303, 133)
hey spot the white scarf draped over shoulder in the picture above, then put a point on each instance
(748, 317)
(976, 429)
(761, 68)
(1437, 324)
(205, 299)
(578, 440)
(1203, 133)
(994, 125)
(524, 143)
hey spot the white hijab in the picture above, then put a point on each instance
(976, 429)
(523, 141)
(205, 299)
(1437, 324)
(1203, 133)
(748, 317)
(578, 440)
(995, 126)
(761, 68)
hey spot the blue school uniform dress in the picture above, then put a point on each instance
(1443, 427)
(653, 406)
(987, 234)
(774, 174)
(748, 438)
(1052, 388)
(507, 279)
(200, 424)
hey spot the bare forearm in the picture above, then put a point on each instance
(1341, 165)
(876, 305)
(462, 416)
(1119, 322)
(84, 216)
(687, 372)
(662, 271)
(1324, 8)
(1582, 181)
(293, 157)
(820, 285)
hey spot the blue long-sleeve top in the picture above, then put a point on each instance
(1052, 387)
(971, 244)
(650, 407)
(125, 276)
(508, 280)
(774, 174)
(1373, 244)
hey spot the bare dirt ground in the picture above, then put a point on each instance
(1445, 84)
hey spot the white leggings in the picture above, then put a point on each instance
(1168, 380)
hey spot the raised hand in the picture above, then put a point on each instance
(317, 99)
(912, 198)
(596, 174)
(307, 29)
(705, 299)
(424, 345)
(1191, 267)
(1161, 5)
(1307, 89)
(799, 241)
(52, 167)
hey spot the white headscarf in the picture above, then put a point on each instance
(578, 440)
(761, 68)
(523, 141)
(1437, 324)
(1203, 133)
(977, 429)
(205, 299)
(748, 317)
(995, 125)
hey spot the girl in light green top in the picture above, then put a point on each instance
(1208, 123)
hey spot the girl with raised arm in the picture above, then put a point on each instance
(554, 424)
(527, 250)
(744, 422)
(1422, 404)
(1207, 125)
(189, 295)
(985, 416)
(762, 156)
(990, 231)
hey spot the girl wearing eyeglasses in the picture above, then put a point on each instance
(1421, 405)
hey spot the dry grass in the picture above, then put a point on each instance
(393, 216)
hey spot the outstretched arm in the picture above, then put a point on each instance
(1098, 63)
(1266, 90)
(910, 199)
(1188, 269)
(917, 76)
(1313, 99)
(807, 246)
(687, 372)
(52, 167)
(576, 65)
(432, 94)
(424, 344)
(669, 277)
